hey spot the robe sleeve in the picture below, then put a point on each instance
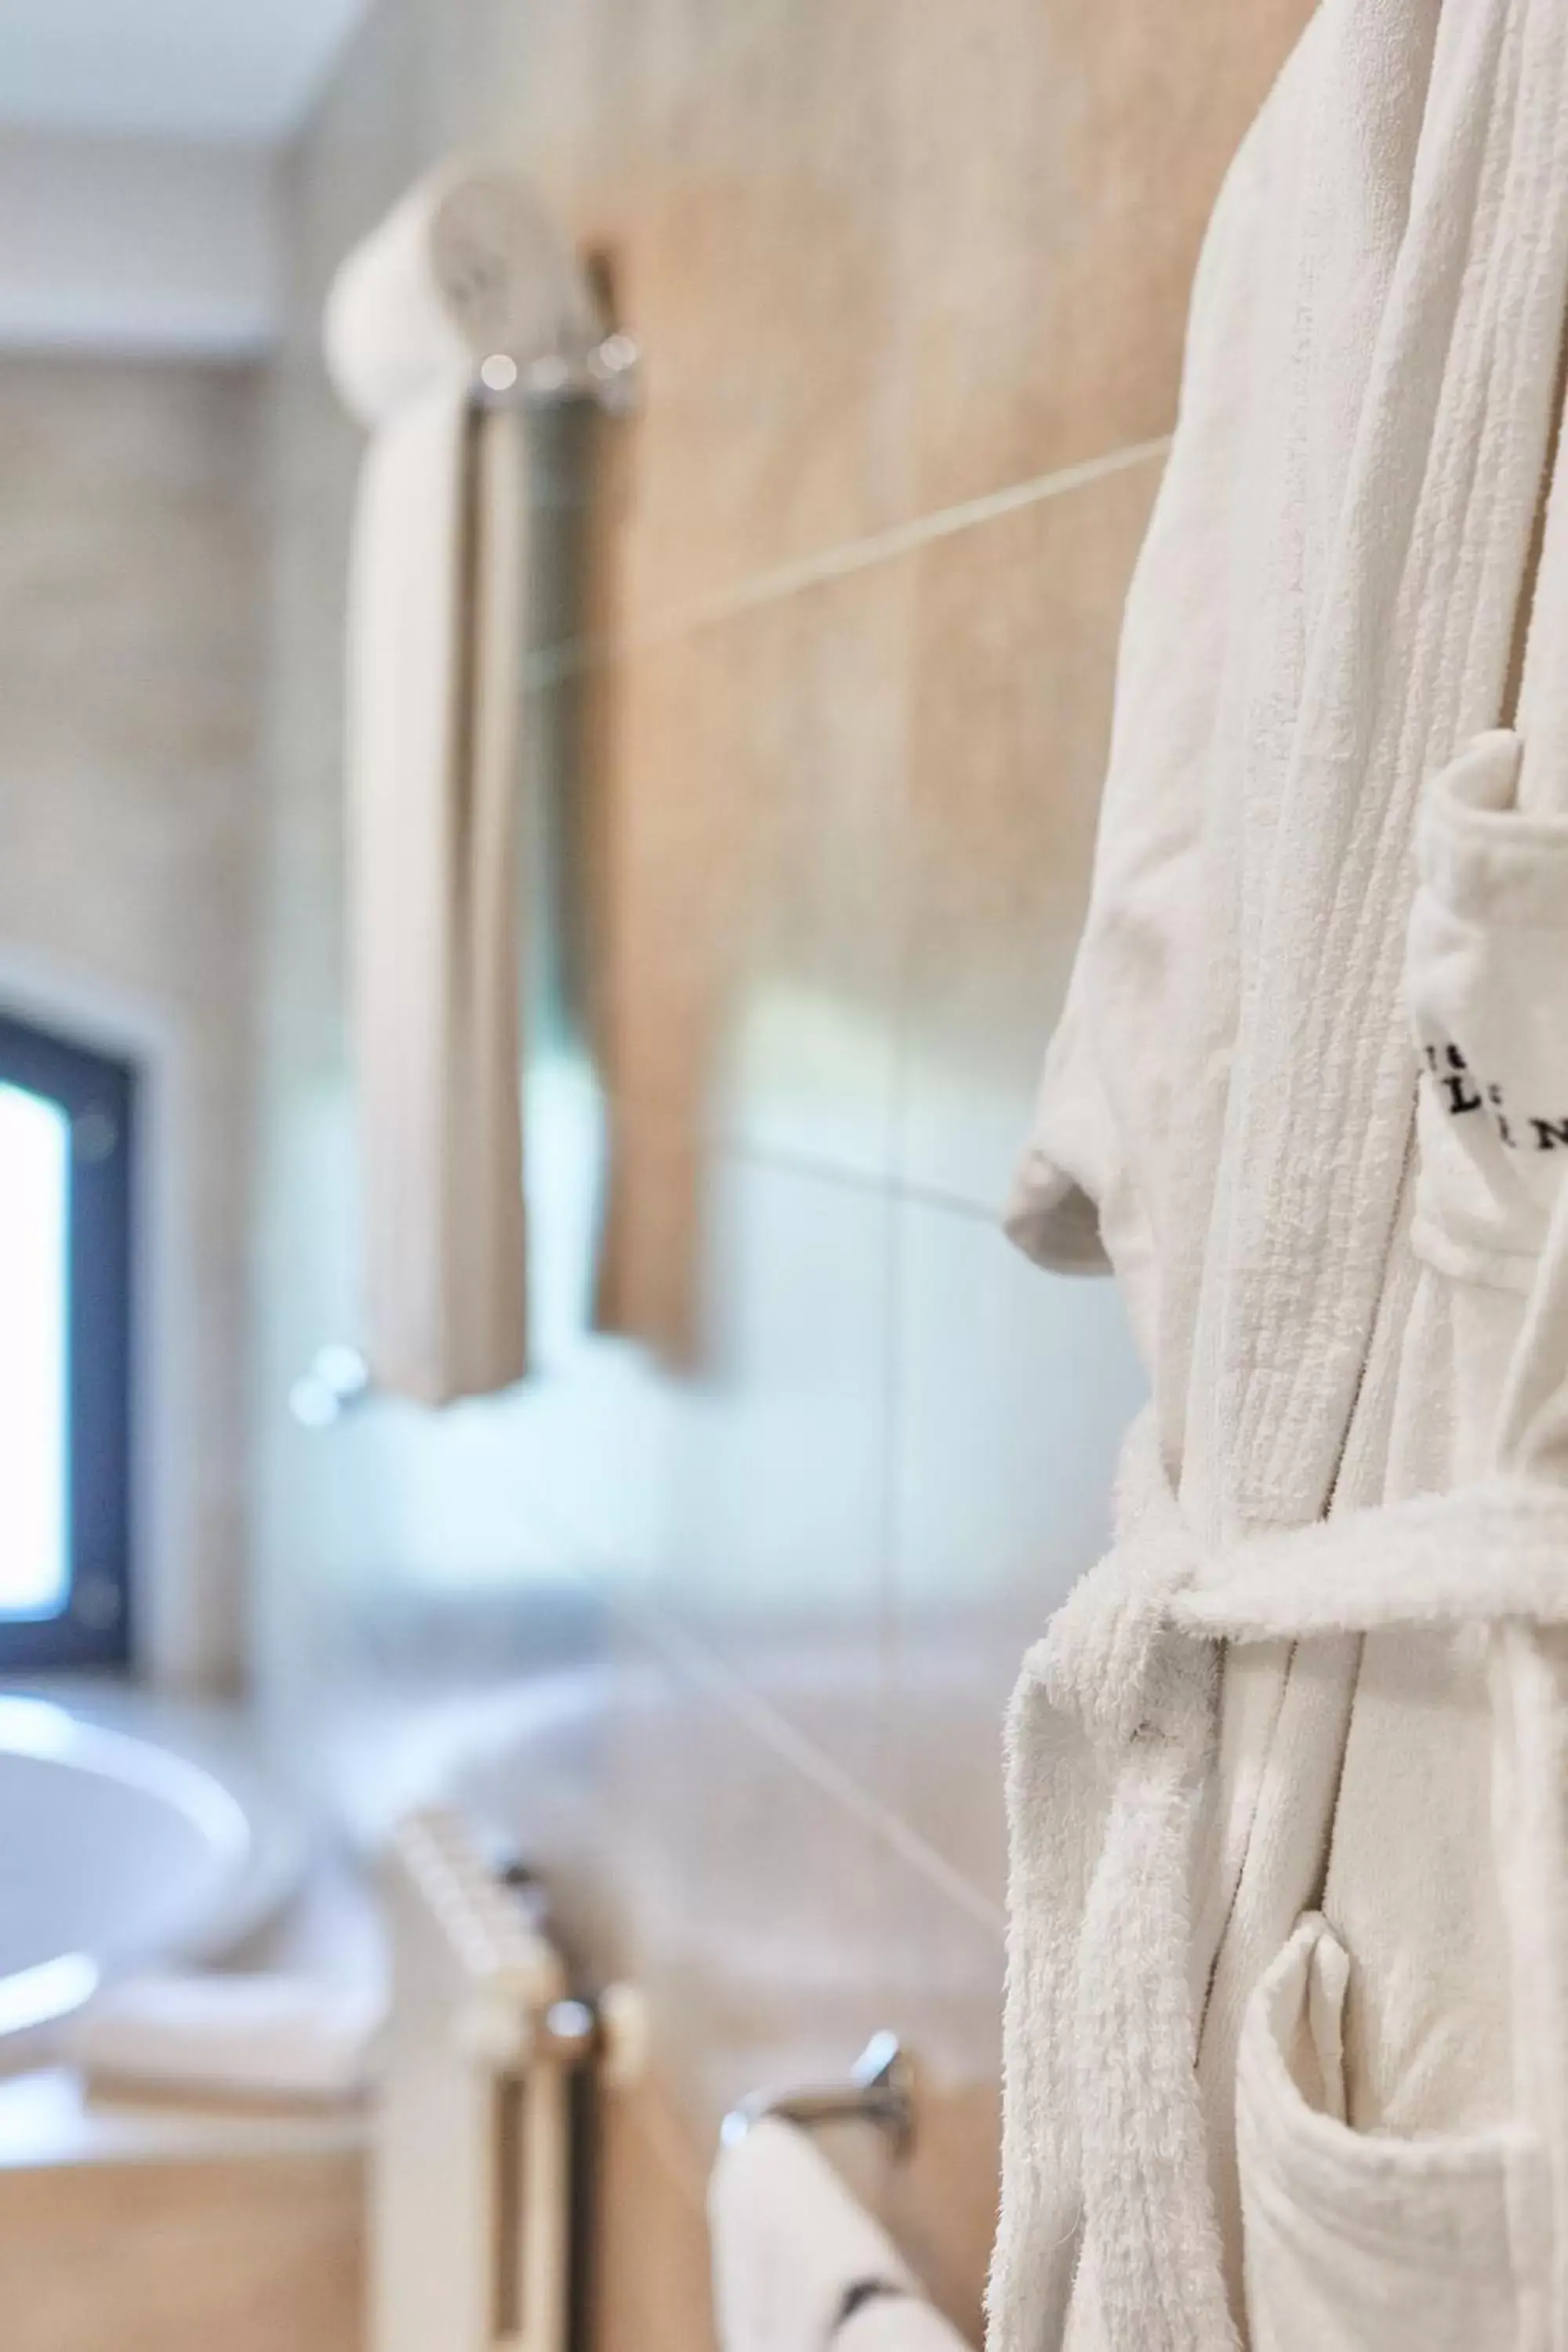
(1087, 1193)
(1051, 1212)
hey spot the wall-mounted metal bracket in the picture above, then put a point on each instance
(608, 373)
(880, 2091)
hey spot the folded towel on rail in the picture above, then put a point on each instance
(798, 2264)
(894, 2322)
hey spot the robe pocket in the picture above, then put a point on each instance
(1355, 2241)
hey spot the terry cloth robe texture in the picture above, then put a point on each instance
(1286, 2037)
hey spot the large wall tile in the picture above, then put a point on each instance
(1015, 650)
(179, 2256)
(1060, 161)
(773, 1547)
(752, 1904)
(749, 215)
(1015, 1387)
(750, 790)
(857, 821)
(650, 2265)
(881, 260)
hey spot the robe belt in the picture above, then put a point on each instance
(1130, 1663)
(1113, 1656)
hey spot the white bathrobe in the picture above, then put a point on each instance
(1287, 2014)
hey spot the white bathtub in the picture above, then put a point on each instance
(131, 1833)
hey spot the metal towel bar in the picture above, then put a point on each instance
(880, 2091)
(608, 373)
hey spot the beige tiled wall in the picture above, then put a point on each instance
(177, 2254)
(129, 833)
(720, 1613)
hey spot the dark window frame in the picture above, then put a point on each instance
(98, 1094)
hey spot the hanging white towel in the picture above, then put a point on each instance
(260, 2037)
(895, 2323)
(467, 264)
(434, 647)
(799, 2266)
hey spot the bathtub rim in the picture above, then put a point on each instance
(211, 1740)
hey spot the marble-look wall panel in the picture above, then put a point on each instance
(130, 826)
(884, 259)
(845, 838)
(1016, 1386)
(754, 818)
(176, 2253)
(818, 762)
(1059, 160)
(650, 2288)
(1012, 660)
(772, 1548)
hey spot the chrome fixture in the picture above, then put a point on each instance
(339, 1377)
(608, 373)
(880, 2091)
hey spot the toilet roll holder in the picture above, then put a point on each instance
(880, 2091)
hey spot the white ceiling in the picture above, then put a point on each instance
(189, 70)
(137, 245)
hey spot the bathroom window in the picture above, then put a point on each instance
(65, 1351)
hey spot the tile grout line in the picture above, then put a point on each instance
(550, 663)
(594, 1572)
(837, 1172)
(693, 1659)
(856, 1180)
(893, 1641)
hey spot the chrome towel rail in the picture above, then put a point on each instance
(609, 374)
(880, 2091)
